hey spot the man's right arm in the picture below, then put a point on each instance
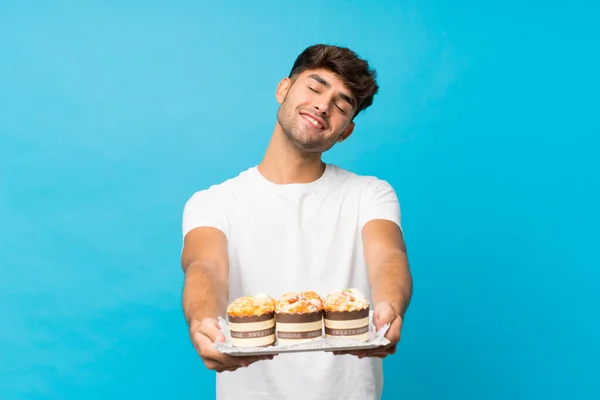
(205, 292)
(206, 266)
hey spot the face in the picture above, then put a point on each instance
(316, 110)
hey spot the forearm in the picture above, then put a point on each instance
(391, 281)
(204, 293)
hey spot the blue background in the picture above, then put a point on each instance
(112, 115)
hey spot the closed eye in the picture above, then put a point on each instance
(340, 108)
(336, 105)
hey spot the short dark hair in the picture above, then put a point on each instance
(358, 76)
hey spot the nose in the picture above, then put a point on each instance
(322, 108)
(322, 104)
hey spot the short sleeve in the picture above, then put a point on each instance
(379, 201)
(204, 209)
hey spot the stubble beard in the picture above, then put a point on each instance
(288, 120)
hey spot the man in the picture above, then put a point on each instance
(294, 223)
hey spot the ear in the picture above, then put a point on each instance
(346, 134)
(282, 89)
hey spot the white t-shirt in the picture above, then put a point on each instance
(296, 237)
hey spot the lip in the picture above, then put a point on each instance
(313, 116)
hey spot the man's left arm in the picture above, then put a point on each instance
(389, 277)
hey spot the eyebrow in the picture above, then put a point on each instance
(322, 81)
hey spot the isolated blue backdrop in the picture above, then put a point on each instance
(113, 114)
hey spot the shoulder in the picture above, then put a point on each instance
(365, 184)
(209, 207)
(377, 198)
(219, 191)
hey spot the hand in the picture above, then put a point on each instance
(204, 333)
(383, 314)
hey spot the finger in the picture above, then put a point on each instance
(204, 347)
(382, 352)
(391, 349)
(393, 333)
(215, 365)
(211, 329)
(219, 337)
(242, 362)
(376, 318)
(227, 369)
(384, 316)
(388, 349)
(247, 361)
(339, 353)
(344, 353)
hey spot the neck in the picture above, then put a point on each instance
(284, 163)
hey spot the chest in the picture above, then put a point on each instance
(305, 219)
(293, 241)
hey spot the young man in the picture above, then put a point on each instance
(294, 223)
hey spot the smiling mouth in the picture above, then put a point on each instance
(313, 121)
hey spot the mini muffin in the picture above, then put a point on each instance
(299, 317)
(346, 314)
(252, 321)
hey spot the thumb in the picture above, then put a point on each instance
(212, 330)
(376, 316)
(219, 337)
(382, 315)
(377, 319)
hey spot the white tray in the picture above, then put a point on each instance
(376, 339)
